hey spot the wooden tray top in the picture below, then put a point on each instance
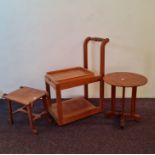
(69, 74)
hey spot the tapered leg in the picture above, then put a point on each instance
(29, 112)
(10, 119)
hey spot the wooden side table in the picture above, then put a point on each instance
(27, 97)
(124, 80)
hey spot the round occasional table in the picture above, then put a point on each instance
(124, 80)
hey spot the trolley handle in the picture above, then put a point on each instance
(96, 39)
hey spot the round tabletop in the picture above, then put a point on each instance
(125, 79)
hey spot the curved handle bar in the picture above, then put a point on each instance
(102, 52)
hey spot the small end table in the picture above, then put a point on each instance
(124, 80)
(27, 96)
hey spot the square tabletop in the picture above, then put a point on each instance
(25, 95)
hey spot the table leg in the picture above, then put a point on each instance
(86, 91)
(46, 105)
(48, 89)
(101, 95)
(113, 102)
(29, 112)
(122, 122)
(59, 106)
(10, 112)
(133, 100)
(113, 99)
(133, 105)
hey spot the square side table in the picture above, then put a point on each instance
(27, 97)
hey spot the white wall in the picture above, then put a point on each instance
(37, 36)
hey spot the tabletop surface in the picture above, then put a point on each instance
(65, 75)
(125, 79)
(25, 95)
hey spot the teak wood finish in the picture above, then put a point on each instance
(27, 97)
(76, 108)
(124, 80)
